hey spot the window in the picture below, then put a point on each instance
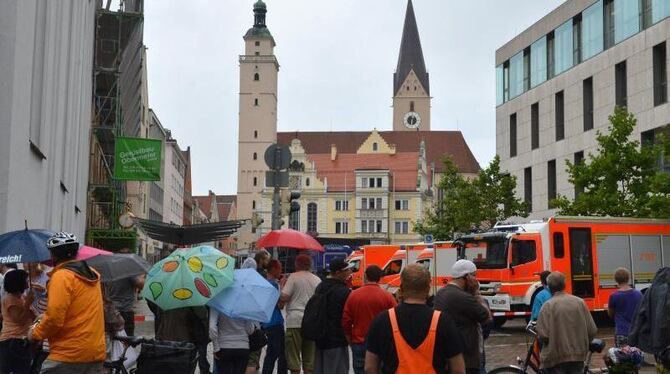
(364, 182)
(512, 135)
(379, 226)
(255, 134)
(371, 225)
(506, 81)
(538, 62)
(402, 205)
(257, 77)
(294, 220)
(523, 252)
(620, 84)
(587, 88)
(393, 267)
(659, 10)
(255, 102)
(371, 182)
(551, 183)
(311, 217)
(592, 30)
(535, 126)
(253, 204)
(401, 227)
(374, 147)
(379, 203)
(563, 51)
(364, 226)
(559, 112)
(411, 106)
(372, 203)
(626, 19)
(257, 43)
(551, 56)
(578, 159)
(341, 227)
(577, 39)
(526, 69)
(499, 84)
(379, 182)
(307, 182)
(528, 187)
(364, 203)
(255, 181)
(660, 75)
(341, 205)
(255, 156)
(257, 53)
(516, 75)
(559, 246)
(608, 23)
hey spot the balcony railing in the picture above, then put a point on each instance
(254, 58)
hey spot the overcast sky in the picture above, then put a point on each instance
(337, 61)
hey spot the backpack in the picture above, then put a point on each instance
(315, 319)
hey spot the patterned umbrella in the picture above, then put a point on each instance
(188, 277)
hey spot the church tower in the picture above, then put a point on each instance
(258, 116)
(411, 89)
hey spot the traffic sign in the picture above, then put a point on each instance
(428, 238)
(275, 178)
(277, 157)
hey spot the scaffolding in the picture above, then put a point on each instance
(116, 112)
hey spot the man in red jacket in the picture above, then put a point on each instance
(361, 308)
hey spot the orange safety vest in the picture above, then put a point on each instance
(410, 360)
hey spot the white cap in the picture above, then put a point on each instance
(462, 268)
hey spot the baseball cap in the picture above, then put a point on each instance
(338, 264)
(462, 268)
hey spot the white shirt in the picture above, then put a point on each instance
(299, 287)
(228, 333)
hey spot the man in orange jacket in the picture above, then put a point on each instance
(74, 320)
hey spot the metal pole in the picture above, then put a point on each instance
(276, 201)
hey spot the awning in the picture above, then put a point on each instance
(188, 235)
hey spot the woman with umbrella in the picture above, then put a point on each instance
(15, 352)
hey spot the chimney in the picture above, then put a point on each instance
(333, 152)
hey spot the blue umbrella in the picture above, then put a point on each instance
(24, 246)
(250, 297)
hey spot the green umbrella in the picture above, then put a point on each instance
(188, 277)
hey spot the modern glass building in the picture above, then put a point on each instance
(560, 79)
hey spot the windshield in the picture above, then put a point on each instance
(357, 265)
(425, 262)
(487, 254)
(393, 267)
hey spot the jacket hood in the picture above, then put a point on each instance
(81, 270)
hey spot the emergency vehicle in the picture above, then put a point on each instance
(586, 249)
(438, 259)
(366, 256)
(404, 254)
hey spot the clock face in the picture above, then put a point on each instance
(412, 120)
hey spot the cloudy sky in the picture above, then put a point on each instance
(337, 61)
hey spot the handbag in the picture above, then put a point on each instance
(257, 340)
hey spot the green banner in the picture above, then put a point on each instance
(137, 159)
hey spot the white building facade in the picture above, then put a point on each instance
(560, 79)
(46, 68)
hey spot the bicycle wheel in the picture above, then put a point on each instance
(506, 369)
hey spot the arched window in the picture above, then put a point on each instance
(411, 106)
(255, 134)
(255, 156)
(253, 205)
(374, 147)
(311, 217)
(307, 182)
(257, 77)
(294, 220)
(257, 43)
(255, 181)
(255, 102)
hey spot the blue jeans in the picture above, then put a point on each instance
(15, 356)
(275, 351)
(358, 358)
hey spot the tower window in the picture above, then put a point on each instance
(307, 182)
(255, 181)
(255, 102)
(411, 106)
(257, 43)
(374, 147)
(257, 76)
(255, 134)
(407, 88)
(255, 156)
(253, 205)
(257, 53)
(414, 88)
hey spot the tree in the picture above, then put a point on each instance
(622, 179)
(471, 204)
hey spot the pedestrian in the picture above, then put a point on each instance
(649, 330)
(332, 351)
(15, 352)
(565, 329)
(38, 276)
(74, 320)
(460, 299)
(260, 263)
(622, 305)
(230, 341)
(123, 293)
(114, 326)
(412, 337)
(541, 296)
(262, 258)
(298, 290)
(275, 328)
(362, 306)
(4, 269)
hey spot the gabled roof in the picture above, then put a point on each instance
(411, 54)
(224, 204)
(438, 143)
(205, 204)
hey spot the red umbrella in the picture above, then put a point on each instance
(86, 252)
(290, 239)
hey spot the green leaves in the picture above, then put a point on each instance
(471, 203)
(622, 179)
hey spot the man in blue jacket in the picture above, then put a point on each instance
(541, 297)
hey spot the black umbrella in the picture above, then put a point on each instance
(119, 266)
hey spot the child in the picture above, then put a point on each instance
(622, 305)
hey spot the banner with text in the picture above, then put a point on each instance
(137, 159)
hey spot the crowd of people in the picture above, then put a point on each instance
(66, 325)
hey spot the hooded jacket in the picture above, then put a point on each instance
(74, 321)
(337, 294)
(650, 330)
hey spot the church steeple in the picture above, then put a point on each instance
(411, 55)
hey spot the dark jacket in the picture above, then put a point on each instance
(337, 294)
(467, 314)
(182, 324)
(650, 330)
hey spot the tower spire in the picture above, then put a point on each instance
(411, 54)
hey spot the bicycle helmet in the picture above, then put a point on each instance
(63, 245)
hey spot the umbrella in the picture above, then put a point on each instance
(188, 277)
(290, 239)
(250, 297)
(24, 246)
(119, 266)
(85, 252)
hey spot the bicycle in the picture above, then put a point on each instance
(156, 356)
(117, 366)
(531, 364)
